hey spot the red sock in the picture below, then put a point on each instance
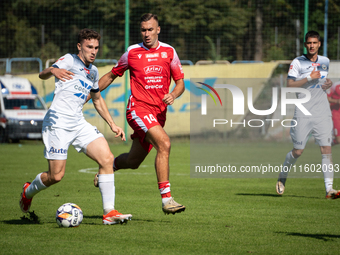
(164, 188)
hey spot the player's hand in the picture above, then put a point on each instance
(118, 131)
(62, 74)
(315, 74)
(168, 99)
(328, 83)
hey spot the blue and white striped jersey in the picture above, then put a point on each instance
(299, 69)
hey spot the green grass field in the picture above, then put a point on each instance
(223, 216)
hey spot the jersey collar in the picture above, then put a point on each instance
(311, 60)
(152, 49)
(88, 67)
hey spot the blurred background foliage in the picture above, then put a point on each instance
(262, 30)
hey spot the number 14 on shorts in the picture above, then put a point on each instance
(150, 118)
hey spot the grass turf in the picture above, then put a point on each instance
(223, 216)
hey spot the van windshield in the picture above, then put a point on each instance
(23, 103)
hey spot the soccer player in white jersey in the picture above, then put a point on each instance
(152, 64)
(310, 71)
(64, 124)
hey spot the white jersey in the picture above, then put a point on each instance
(70, 95)
(299, 69)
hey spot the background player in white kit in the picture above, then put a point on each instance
(310, 71)
(64, 124)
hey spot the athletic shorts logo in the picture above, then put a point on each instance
(153, 69)
(57, 151)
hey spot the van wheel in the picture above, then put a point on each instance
(3, 135)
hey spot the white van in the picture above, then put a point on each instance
(22, 110)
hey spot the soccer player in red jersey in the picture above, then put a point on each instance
(151, 64)
(334, 99)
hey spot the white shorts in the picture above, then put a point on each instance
(320, 128)
(58, 140)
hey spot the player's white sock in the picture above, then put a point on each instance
(106, 184)
(328, 171)
(35, 187)
(289, 161)
(164, 188)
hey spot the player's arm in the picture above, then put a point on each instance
(333, 100)
(177, 91)
(104, 82)
(61, 74)
(101, 107)
(313, 75)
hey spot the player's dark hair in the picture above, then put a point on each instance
(148, 16)
(312, 34)
(88, 34)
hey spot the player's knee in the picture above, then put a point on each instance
(165, 146)
(107, 160)
(53, 179)
(297, 153)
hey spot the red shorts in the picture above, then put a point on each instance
(141, 119)
(336, 122)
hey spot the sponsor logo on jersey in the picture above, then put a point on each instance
(139, 56)
(291, 67)
(60, 59)
(152, 59)
(91, 75)
(58, 151)
(84, 89)
(153, 86)
(315, 64)
(152, 55)
(164, 54)
(85, 69)
(153, 69)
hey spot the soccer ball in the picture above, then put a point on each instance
(69, 215)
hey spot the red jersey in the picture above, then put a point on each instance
(150, 72)
(334, 92)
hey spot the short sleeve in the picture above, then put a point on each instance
(294, 70)
(176, 67)
(122, 65)
(65, 62)
(95, 87)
